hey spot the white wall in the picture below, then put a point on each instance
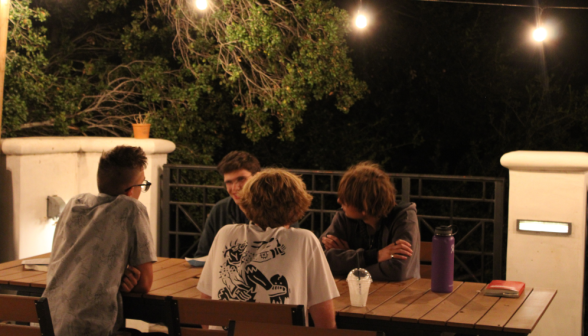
(549, 186)
(33, 168)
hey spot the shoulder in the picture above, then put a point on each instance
(222, 205)
(230, 229)
(402, 209)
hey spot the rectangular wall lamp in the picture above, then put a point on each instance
(557, 228)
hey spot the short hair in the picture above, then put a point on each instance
(237, 160)
(118, 168)
(275, 197)
(368, 188)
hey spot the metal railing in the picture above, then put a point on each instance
(475, 205)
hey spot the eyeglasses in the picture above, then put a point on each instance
(144, 187)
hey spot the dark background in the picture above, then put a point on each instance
(452, 87)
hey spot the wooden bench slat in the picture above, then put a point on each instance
(391, 307)
(19, 330)
(453, 304)
(18, 308)
(200, 332)
(376, 298)
(499, 315)
(219, 312)
(525, 319)
(423, 305)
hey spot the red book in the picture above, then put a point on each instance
(512, 289)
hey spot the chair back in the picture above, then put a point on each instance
(244, 328)
(193, 312)
(426, 258)
(25, 309)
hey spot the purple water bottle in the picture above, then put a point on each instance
(442, 263)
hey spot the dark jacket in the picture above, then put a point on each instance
(401, 223)
(226, 211)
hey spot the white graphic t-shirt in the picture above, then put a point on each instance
(285, 266)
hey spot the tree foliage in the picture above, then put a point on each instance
(107, 62)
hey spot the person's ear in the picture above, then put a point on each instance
(128, 192)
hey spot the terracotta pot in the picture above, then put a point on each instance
(141, 131)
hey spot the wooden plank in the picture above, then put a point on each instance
(499, 315)
(400, 301)
(174, 288)
(10, 264)
(189, 293)
(175, 278)
(342, 301)
(164, 273)
(160, 265)
(423, 305)
(21, 275)
(376, 298)
(453, 304)
(12, 270)
(526, 318)
(473, 311)
(28, 281)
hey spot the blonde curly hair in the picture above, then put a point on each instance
(275, 197)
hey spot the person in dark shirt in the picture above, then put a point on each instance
(372, 230)
(237, 167)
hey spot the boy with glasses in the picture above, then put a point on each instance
(99, 240)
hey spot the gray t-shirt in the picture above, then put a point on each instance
(95, 239)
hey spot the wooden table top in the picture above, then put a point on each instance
(408, 301)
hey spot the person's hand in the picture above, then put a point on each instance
(129, 279)
(332, 242)
(400, 249)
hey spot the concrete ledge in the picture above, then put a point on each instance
(545, 161)
(54, 145)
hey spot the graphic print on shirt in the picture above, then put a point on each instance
(244, 281)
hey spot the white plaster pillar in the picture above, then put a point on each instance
(549, 186)
(33, 168)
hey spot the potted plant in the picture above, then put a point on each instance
(142, 125)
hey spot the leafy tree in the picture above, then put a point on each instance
(116, 60)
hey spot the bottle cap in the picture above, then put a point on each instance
(444, 231)
(360, 274)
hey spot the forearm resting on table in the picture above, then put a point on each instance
(323, 315)
(146, 279)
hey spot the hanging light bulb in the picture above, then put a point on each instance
(540, 34)
(201, 4)
(360, 21)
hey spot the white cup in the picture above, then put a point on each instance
(359, 281)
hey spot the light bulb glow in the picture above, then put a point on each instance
(201, 4)
(540, 34)
(361, 21)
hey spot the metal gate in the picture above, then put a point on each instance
(475, 205)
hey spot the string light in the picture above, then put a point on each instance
(540, 34)
(360, 21)
(201, 4)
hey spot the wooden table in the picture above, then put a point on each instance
(397, 308)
